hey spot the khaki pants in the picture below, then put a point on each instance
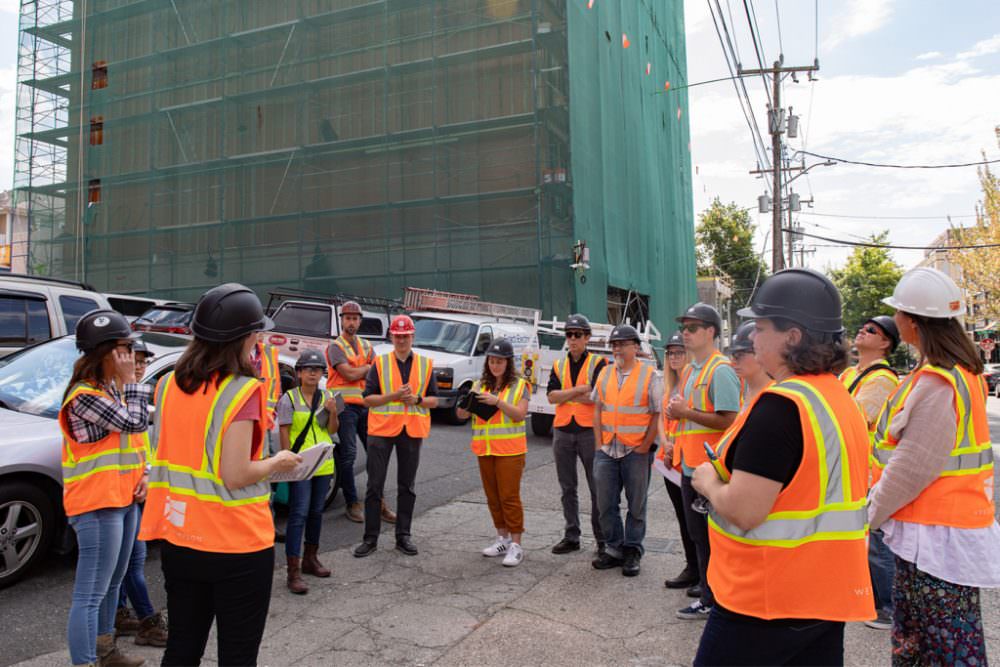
(501, 477)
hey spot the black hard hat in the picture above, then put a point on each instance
(139, 347)
(675, 340)
(228, 312)
(623, 332)
(310, 359)
(803, 296)
(741, 339)
(502, 348)
(101, 325)
(704, 312)
(888, 327)
(578, 322)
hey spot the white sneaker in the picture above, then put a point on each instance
(498, 548)
(515, 555)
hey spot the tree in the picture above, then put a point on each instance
(981, 266)
(868, 277)
(724, 238)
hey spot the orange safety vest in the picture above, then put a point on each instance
(501, 436)
(625, 412)
(851, 373)
(188, 504)
(669, 433)
(270, 375)
(582, 413)
(691, 435)
(809, 558)
(351, 391)
(390, 419)
(102, 474)
(962, 495)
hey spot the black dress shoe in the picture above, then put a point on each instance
(564, 546)
(630, 567)
(406, 546)
(365, 549)
(685, 579)
(606, 561)
(694, 591)
(601, 546)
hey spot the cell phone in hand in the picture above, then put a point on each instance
(339, 399)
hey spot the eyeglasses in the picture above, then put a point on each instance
(676, 353)
(691, 327)
(622, 343)
(141, 362)
(576, 334)
(742, 353)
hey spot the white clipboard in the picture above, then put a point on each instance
(312, 459)
(671, 475)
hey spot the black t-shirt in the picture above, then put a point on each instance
(555, 384)
(372, 382)
(770, 443)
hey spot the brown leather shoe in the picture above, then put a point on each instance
(311, 564)
(295, 583)
(126, 624)
(355, 513)
(387, 514)
(109, 655)
(152, 631)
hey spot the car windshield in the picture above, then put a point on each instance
(34, 380)
(444, 335)
(166, 316)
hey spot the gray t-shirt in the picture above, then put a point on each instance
(615, 449)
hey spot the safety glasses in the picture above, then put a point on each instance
(691, 327)
(576, 334)
(870, 328)
(676, 353)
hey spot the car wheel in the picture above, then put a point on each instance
(541, 424)
(27, 524)
(451, 414)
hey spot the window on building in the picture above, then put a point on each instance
(99, 75)
(96, 130)
(94, 191)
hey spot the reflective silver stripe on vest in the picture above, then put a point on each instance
(124, 457)
(162, 475)
(217, 418)
(154, 428)
(971, 461)
(776, 530)
(623, 429)
(499, 429)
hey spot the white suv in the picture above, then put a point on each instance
(34, 309)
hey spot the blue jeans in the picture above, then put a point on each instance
(134, 584)
(882, 563)
(105, 539)
(611, 476)
(353, 425)
(305, 510)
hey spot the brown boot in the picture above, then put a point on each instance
(126, 624)
(295, 583)
(387, 514)
(108, 654)
(311, 564)
(355, 513)
(152, 631)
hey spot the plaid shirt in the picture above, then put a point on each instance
(92, 417)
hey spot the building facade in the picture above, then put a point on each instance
(360, 146)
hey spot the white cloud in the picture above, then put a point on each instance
(10, 6)
(982, 48)
(929, 55)
(857, 18)
(8, 86)
(696, 16)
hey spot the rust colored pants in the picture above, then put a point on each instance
(501, 477)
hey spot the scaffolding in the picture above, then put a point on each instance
(362, 146)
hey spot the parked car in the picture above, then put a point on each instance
(34, 309)
(132, 306)
(992, 375)
(174, 318)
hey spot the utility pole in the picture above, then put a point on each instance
(775, 127)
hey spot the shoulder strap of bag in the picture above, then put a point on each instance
(301, 439)
(862, 374)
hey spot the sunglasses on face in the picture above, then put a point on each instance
(870, 329)
(691, 328)
(576, 334)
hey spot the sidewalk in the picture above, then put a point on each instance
(451, 606)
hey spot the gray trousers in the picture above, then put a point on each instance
(566, 449)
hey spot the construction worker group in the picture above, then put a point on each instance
(807, 494)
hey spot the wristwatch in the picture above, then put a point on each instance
(420, 399)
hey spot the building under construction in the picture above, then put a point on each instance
(533, 152)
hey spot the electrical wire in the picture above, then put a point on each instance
(885, 217)
(758, 51)
(899, 166)
(777, 16)
(868, 244)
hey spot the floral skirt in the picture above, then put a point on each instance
(935, 622)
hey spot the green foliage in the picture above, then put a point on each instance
(724, 236)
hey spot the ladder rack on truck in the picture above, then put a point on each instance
(416, 298)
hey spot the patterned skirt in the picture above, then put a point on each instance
(935, 622)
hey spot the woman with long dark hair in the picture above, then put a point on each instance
(500, 443)
(933, 468)
(103, 417)
(209, 488)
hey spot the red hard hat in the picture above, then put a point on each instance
(402, 325)
(350, 307)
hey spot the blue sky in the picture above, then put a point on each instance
(905, 81)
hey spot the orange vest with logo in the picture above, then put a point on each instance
(625, 414)
(102, 474)
(962, 495)
(582, 413)
(270, 375)
(691, 436)
(390, 419)
(188, 504)
(809, 558)
(351, 391)
(500, 435)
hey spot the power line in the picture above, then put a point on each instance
(866, 244)
(885, 217)
(899, 166)
(758, 51)
(777, 16)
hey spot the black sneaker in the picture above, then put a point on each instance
(365, 549)
(606, 561)
(630, 567)
(686, 578)
(406, 546)
(695, 612)
(564, 546)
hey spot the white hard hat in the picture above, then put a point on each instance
(928, 292)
